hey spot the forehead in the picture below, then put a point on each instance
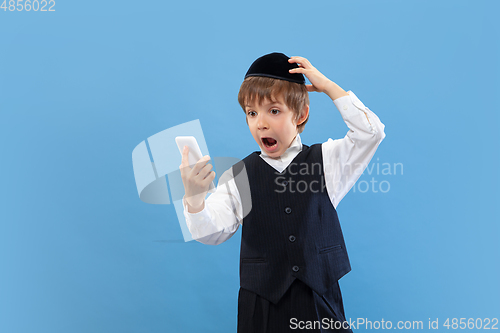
(263, 101)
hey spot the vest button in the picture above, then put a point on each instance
(288, 210)
(291, 238)
(295, 268)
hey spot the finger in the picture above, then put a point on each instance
(184, 167)
(299, 70)
(210, 178)
(205, 171)
(200, 164)
(301, 61)
(185, 159)
(310, 87)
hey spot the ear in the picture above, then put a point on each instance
(303, 115)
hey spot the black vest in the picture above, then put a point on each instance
(293, 231)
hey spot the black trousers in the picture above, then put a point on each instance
(300, 309)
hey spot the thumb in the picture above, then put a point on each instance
(310, 87)
(185, 158)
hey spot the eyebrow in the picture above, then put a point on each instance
(270, 103)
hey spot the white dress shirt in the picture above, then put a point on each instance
(344, 160)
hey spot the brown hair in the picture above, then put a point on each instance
(256, 89)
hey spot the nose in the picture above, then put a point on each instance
(262, 121)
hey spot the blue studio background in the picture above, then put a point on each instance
(80, 87)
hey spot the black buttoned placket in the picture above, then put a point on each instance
(292, 245)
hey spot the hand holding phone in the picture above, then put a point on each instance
(197, 175)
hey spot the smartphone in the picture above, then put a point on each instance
(194, 152)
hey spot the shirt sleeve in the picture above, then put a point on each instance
(221, 215)
(344, 160)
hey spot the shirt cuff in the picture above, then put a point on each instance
(203, 215)
(353, 111)
(344, 104)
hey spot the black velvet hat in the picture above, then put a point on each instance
(275, 65)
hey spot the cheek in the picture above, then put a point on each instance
(253, 131)
(292, 126)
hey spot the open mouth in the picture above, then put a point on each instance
(269, 142)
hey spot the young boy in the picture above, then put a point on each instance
(292, 248)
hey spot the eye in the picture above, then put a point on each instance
(251, 113)
(274, 111)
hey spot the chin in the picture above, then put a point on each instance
(274, 154)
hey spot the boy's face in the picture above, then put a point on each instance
(273, 126)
